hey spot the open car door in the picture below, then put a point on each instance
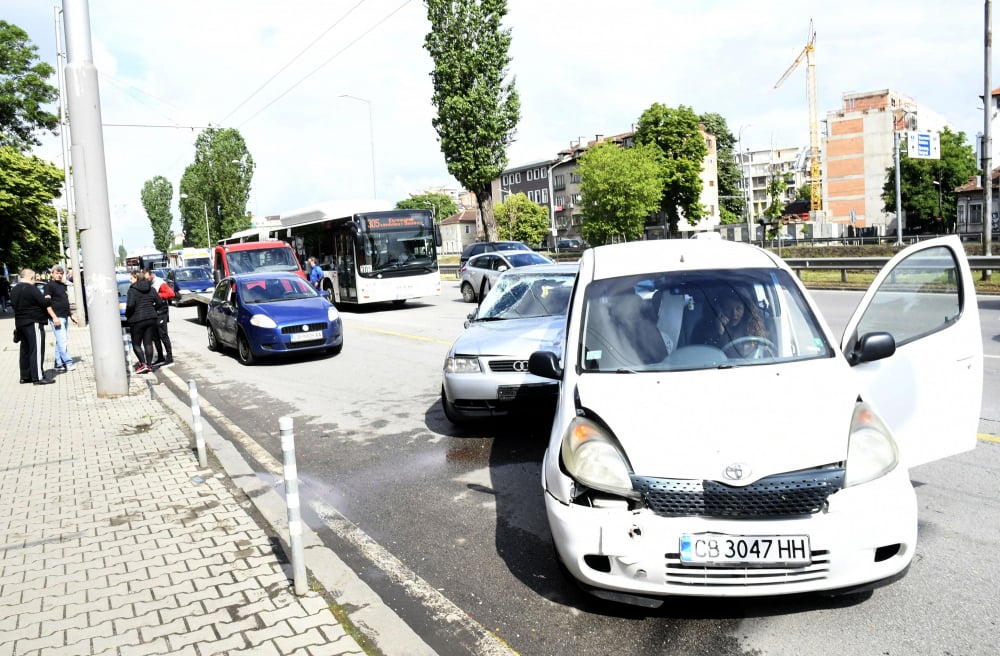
(929, 391)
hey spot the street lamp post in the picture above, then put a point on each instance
(371, 135)
(744, 180)
(208, 234)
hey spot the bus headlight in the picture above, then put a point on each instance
(462, 364)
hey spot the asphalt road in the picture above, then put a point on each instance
(449, 525)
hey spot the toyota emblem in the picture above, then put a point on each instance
(737, 471)
(520, 366)
(305, 327)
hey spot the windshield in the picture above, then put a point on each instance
(275, 289)
(697, 320)
(399, 250)
(518, 296)
(197, 261)
(188, 275)
(279, 258)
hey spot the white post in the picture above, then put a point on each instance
(199, 438)
(294, 509)
(899, 192)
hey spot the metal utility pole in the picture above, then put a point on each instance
(987, 142)
(899, 190)
(90, 180)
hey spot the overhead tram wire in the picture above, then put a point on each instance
(293, 60)
(334, 56)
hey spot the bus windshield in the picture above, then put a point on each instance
(386, 251)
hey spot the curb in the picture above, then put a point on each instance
(367, 612)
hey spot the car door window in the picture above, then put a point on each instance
(919, 298)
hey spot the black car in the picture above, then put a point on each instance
(489, 246)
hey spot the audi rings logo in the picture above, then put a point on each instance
(305, 327)
(737, 471)
(520, 366)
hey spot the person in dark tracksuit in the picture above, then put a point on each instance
(141, 311)
(31, 312)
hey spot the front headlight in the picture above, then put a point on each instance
(331, 314)
(871, 449)
(462, 364)
(594, 458)
(262, 321)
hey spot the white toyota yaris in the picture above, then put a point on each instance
(711, 436)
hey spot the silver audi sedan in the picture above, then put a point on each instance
(486, 370)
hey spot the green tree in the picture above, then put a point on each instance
(732, 205)
(122, 255)
(804, 192)
(28, 233)
(477, 109)
(621, 187)
(440, 204)
(219, 179)
(676, 133)
(23, 90)
(157, 194)
(919, 191)
(776, 187)
(521, 219)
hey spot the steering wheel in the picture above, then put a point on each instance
(758, 342)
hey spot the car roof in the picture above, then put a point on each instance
(638, 257)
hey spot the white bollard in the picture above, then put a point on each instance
(199, 439)
(127, 343)
(292, 501)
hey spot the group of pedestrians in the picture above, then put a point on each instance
(147, 311)
(33, 309)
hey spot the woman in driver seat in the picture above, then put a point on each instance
(732, 318)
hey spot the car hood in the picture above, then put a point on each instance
(513, 337)
(694, 424)
(303, 310)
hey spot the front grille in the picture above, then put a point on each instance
(509, 366)
(781, 495)
(707, 576)
(291, 330)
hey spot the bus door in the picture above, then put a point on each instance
(346, 287)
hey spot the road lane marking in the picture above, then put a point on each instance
(986, 437)
(437, 605)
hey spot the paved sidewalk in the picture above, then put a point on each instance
(114, 541)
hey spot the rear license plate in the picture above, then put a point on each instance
(738, 550)
(307, 337)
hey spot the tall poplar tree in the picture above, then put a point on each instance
(215, 188)
(477, 106)
(157, 195)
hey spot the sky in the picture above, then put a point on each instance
(326, 92)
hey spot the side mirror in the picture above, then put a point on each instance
(871, 347)
(545, 364)
(501, 268)
(471, 317)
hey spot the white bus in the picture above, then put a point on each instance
(189, 257)
(367, 255)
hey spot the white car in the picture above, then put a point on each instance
(668, 471)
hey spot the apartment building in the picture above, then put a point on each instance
(859, 149)
(759, 167)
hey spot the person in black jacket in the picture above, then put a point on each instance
(55, 291)
(141, 311)
(31, 312)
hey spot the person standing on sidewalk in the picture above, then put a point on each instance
(4, 293)
(141, 312)
(161, 340)
(55, 292)
(31, 312)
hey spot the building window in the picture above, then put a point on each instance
(517, 177)
(960, 219)
(575, 178)
(544, 173)
(975, 214)
(559, 182)
(545, 195)
(467, 229)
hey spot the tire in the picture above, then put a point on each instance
(468, 293)
(449, 411)
(213, 340)
(243, 351)
(202, 314)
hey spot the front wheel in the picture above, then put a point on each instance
(449, 410)
(468, 293)
(243, 350)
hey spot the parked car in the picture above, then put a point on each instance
(668, 471)
(188, 281)
(490, 246)
(571, 245)
(485, 372)
(123, 281)
(480, 273)
(274, 313)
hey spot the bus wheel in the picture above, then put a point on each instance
(468, 293)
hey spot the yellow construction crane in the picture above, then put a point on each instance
(809, 54)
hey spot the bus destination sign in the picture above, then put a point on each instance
(385, 222)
